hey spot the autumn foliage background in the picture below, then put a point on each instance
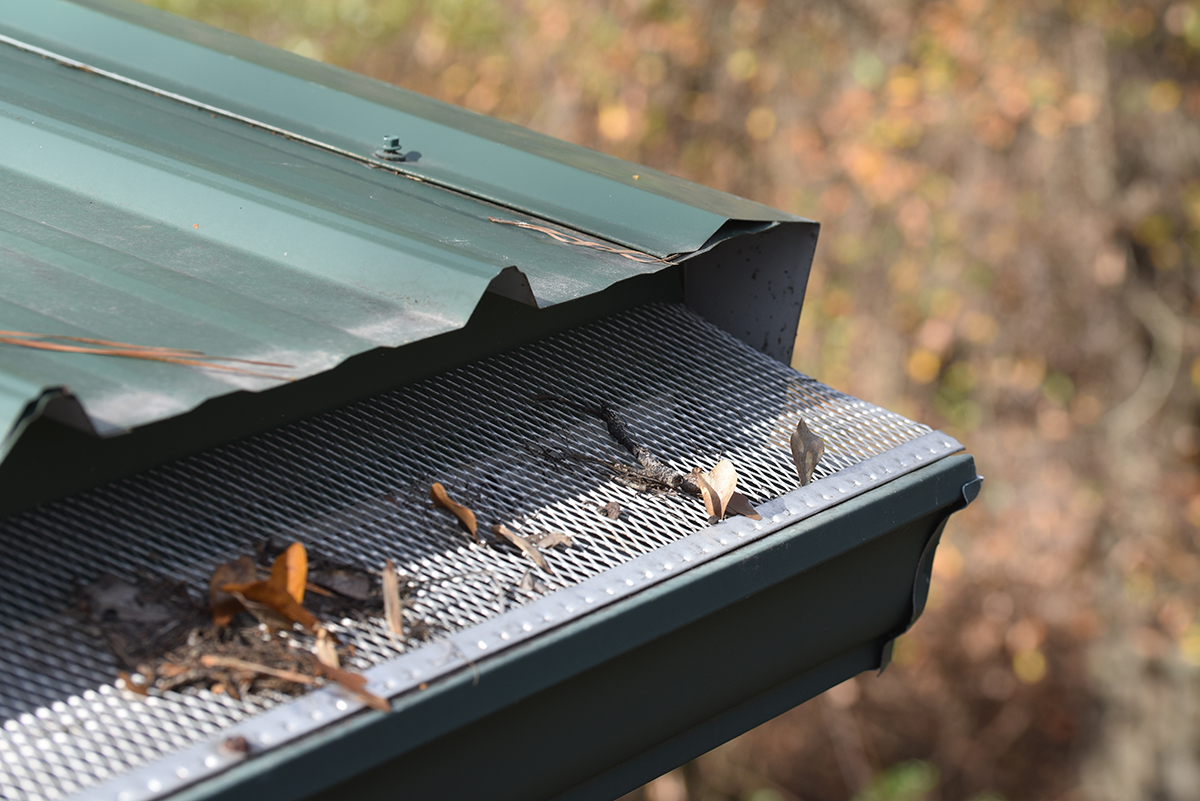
(1009, 195)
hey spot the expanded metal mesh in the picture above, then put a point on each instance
(353, 485)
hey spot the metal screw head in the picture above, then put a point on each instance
(391, 144)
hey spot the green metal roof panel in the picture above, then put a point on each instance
(543, 176)
(128, 215)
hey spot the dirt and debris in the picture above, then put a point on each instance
(611, 510)
(650, 475)
(716, 487)
(256, 634)
(263, 628)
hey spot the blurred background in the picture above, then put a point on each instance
(1009, 195)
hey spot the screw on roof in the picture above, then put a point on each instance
(390, 150)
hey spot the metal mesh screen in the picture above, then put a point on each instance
(354, 483)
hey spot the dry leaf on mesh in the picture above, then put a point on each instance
(718, 488)
(807, 450)
(739, 504)
(525, 545)
(139, 621)
(465, 516)
(276, 597)
(550, 539)
(712, 501)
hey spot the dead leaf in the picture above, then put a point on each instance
(611, 510)
(393, 613)
(525, 545)
(807, 450)
(277, 594)
(465, 516)
(326, 649)
(224, 605)
(526, 583)
(130, 684)
(354, 682)
(550, 539)
(259, 596)
(712, 501)
(739, 504)
(723, 479)
(720, 497)
(294, 571)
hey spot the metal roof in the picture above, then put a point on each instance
(164, 183)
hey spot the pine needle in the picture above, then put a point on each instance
(103, 347)
(567, 239)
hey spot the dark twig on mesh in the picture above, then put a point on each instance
(651, 475)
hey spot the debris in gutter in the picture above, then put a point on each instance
(247, 641)
(715, 487)
(263, 628)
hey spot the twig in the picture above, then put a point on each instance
(233, 663)
(652, 472)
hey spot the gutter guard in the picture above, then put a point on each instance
(351, 483)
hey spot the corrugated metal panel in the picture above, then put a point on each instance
(487, 158)
(126, 215)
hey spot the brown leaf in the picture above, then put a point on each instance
(275, 600)
(739, 504)
(525, 545)
(723, 479)
(807, 450)
(224, 605)
(354, 682)
(294, 571)
(393, 613)
(279, 592)
(550, 539)
(326, 650)
(465, 516)
(712, 501)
